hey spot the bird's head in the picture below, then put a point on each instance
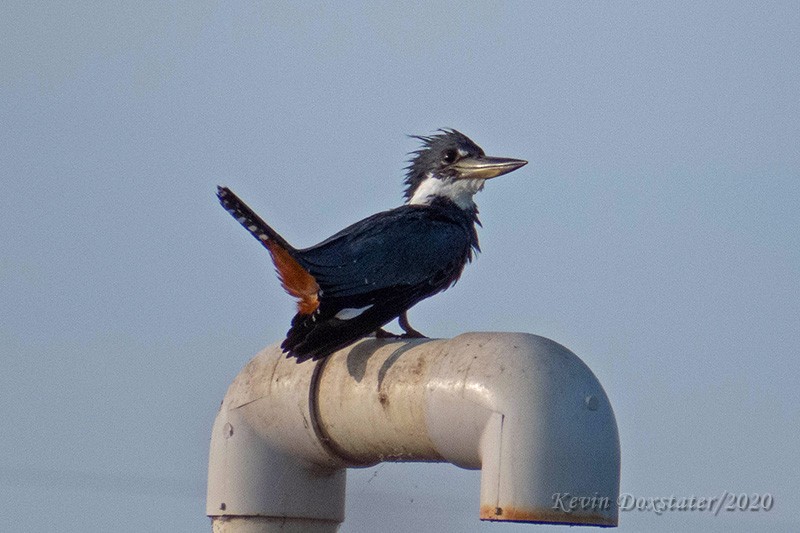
(449, 165)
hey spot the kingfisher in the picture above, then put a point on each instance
(355, 282)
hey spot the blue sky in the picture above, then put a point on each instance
(655, 232)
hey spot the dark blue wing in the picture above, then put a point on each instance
(418, 248)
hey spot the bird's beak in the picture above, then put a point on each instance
(486, 167)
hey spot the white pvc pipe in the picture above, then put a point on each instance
(523, 409)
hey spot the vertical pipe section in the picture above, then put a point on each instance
(268, 470)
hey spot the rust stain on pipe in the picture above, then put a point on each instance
(545, 516)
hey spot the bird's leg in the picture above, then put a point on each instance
(381, 333)
(410, 333)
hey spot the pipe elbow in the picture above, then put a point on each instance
(540, 428)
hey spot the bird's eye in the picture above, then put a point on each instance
(449, 156)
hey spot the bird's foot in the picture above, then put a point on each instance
(410, 333)
(381, 333)
(413, 334)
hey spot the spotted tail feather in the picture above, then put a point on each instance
(295, 279)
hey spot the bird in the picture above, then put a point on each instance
(355, 282)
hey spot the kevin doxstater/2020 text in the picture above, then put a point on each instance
(727, 501)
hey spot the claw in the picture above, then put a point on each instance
(410, 333)
(381, 333)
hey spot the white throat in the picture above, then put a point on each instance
(460, 191)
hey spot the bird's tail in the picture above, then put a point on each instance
(295, 279)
